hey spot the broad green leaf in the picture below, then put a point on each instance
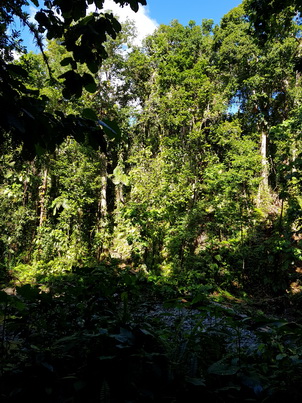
(91, 87)
(66, 61)
(89, 83)
(88, 113)
(87, 19)
(116, 25)
(111, 129)
(93, 67)
(134, 5)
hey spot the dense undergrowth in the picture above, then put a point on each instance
(91, 335)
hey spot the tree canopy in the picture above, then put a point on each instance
(83, 32)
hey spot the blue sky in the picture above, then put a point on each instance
(158, 12)
(163, 11)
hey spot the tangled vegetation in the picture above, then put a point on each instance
(150, 220)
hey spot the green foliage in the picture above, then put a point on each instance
(184, 187)
(81, 338)
(125, 274)
(25, 116)
(274, 18)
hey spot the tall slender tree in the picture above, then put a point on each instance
(260, 78)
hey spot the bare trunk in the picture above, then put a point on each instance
(263, 186)
(42, 194)
(119, 195)
(102, 212)
(264, 164)
(103, 193)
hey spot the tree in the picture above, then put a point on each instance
(24, 112)
(185, 152)
(273, 18)
(64, 193)
(259, 78)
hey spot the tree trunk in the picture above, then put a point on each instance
(263, 186)
(264, 163)
(102, 212)
(119, 196)
(42, 193)
(103, 193)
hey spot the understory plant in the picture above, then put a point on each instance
(102, 334)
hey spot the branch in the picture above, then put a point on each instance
(23, 17)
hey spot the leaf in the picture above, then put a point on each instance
(28, 292)
(91, 87)
(36, 2)
(89, 83)
(88, 113)
(280, 323)
(3, 297)
(222, 368)
(18, 70)
(99, 3)
(116, 25)
(252, 381)
(196, 381)
(71, 338)
(106, 357)
(146, 332)
(68, 60)
(39, 150)
(17, 304)
(93, 67)
(87, 19)
(15, 122)
(48, 366)
(111, 129)
(125, 336)
(134, 5)
(27, 113)
(73, 84)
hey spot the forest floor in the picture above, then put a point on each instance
(100, 337)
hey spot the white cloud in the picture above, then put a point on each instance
(144, 24)
(32, 12)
